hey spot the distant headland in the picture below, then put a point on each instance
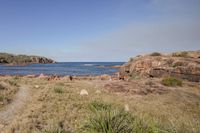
(11, 59)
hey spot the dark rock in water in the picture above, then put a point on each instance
(11, 59)
(184, 65)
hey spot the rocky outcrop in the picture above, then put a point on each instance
(23, 59)
(184, 65)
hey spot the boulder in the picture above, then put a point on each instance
(126, 107)
(37, 86)
(84, 92)
(42, 76)
(98, 92)
(105, 77)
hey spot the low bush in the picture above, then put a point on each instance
(108, 119)
(180, 54)
(1, 98)
(155, 54)
(134, 76)
(171, 81)
(176, 64)
(2, 87)
(13, 82)
(58, 90)
(131, 59)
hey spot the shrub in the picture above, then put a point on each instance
(171, 81)
(176, 64)
(180, 54)
(13, 82)
(134, 76)
(2, 87)
(131, 59)
(155, 54)
(107, 119)
(1, 98)
(58, 90)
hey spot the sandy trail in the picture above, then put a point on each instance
(8, 114)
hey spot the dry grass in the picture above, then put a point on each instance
(58, 107)
(7, 92)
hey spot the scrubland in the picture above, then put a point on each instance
(109, 107)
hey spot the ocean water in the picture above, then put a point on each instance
(62, 68)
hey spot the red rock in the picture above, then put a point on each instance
(186, 67)
(105, 77)
(42, 76)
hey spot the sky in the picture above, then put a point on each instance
(98, 30)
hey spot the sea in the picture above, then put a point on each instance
(62, 69)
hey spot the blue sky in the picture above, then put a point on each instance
(98, 30)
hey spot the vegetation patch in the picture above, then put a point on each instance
(13, 82)
(177, 64)
(155, 54)
(171, 81)
(109, 119)
(55, 129)
(131, 59)
(1, 98)
(134, 76)
(180, 54)
(2, 87)
(176, 112)
(58, 90)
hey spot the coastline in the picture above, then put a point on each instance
(144, 88)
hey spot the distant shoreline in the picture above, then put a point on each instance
(14, 60)
(62, 69)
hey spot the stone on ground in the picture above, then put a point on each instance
(84, 92)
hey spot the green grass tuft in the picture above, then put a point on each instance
(134, 76)
(171, 81)
(108, 119)
(58, 90)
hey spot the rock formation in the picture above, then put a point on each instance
(11, 59)
(184, 65)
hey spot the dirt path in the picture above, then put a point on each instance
(8, 114)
